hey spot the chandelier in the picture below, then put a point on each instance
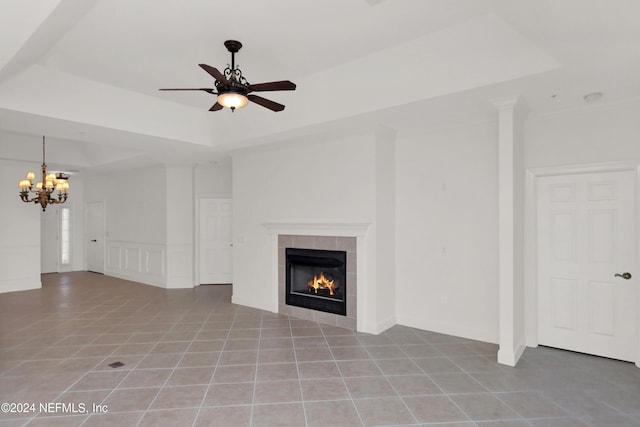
(44, 190)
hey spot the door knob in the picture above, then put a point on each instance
(625, 276)
(94, 240)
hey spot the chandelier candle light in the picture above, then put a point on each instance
(44, 190)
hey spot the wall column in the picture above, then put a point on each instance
(510, 229)
(180, 226)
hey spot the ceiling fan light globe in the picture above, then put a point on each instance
(232, 100)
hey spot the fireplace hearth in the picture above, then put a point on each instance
(316, 279)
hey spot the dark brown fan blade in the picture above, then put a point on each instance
(270, 86)
(201, 88)
(267, 103)
(216, 107)
(214, 72)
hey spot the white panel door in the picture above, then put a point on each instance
(95, 237)
(49, 240)
(586, 235)
(215, 241)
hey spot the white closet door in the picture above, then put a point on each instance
(586, 236)
(216, 256)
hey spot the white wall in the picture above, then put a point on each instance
(599, 133)
(135, 222)
(447, 230)
(76, 202)
(332, 180)
(180, 226)
(20, 245)
(19, 232)
(445, 210)
(149, 217)
(439, 196)
(135, 203)
(385, 250)
(213, 179)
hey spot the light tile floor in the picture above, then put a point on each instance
(191, 358)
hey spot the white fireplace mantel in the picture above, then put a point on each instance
(366, 321)
(351, 229)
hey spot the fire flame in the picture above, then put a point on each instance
(322, 282)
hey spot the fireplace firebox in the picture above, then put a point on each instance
(316, 279)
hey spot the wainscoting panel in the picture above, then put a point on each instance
(140, 262)
(132, 261)
(114, 257)
(154, 265)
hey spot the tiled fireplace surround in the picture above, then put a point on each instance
(340, 243)
(353, 237)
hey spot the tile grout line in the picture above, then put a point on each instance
(164, 384)
(436, 384)
(392, 387)
(165, 381)
(215, 368)
(54, 332)
(344, 383)
(89, 371)
(295, 358)
(255, 376)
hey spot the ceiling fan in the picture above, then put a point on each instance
(234, 91)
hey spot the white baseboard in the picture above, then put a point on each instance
(510, 357)
(385, 324)
(16, 285)
(180, 283)
(249, 302)
(152, 281)
(449, 329)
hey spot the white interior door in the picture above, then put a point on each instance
(95, 237)
(215, 241)
(586, 236)
(49, 240)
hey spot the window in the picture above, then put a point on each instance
(65, 236)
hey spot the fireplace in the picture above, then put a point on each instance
(317, 279)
